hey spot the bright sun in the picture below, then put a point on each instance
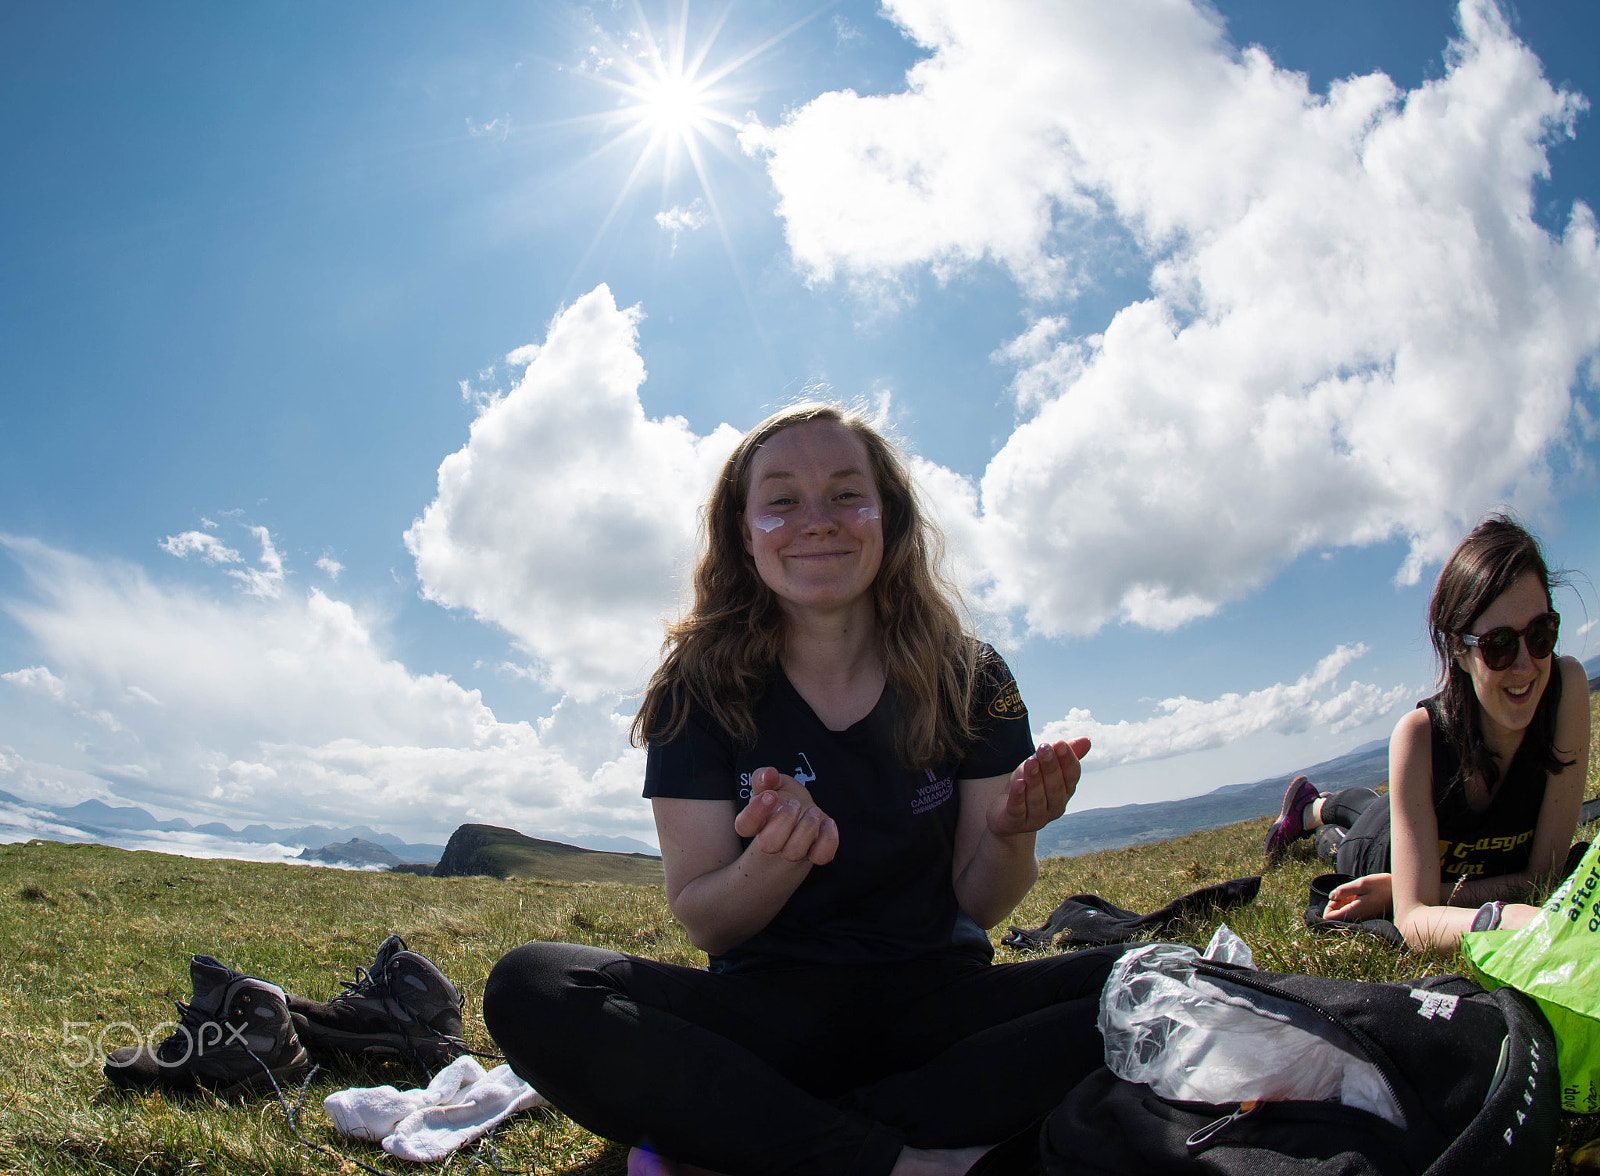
(674, 105)
(671, 94)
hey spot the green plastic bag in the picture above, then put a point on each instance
(1555, 959)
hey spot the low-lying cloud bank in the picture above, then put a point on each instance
(22, 823)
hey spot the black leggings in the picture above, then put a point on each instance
(1354, 835)
(810, 1070)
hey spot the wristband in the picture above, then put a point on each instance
(1488, 916)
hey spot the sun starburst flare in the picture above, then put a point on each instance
(674, 105)
(672, 99)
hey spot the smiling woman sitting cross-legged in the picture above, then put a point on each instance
(847, 794)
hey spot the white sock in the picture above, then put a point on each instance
(433, 1132)
(372, 1112)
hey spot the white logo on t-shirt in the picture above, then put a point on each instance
(803, 776)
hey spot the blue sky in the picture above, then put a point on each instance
(362, 368)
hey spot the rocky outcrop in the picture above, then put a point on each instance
(488, 850)
(465, 853)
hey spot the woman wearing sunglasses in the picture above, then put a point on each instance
(1485, 778)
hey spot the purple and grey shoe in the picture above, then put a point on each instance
(1291, 823)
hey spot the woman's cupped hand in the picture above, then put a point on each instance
(1039, 789)
(783, 820)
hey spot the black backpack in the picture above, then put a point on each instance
(1473, 1073)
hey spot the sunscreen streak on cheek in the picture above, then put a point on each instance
(768, 523)
(867, 513)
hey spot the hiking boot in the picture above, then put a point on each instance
(234, 1037)
(1291, 823)
(402, 1007)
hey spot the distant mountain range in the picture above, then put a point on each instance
(325, 843)
(1135, 824)
(96, 817)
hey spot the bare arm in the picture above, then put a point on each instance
(1419, 908)
(1474, 892)
(994, 865)
(723, 894)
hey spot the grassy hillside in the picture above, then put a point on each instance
(101, 938)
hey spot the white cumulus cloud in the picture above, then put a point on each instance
(1182, 725)
(1356, 330)
(569, 515)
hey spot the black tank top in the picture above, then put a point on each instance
(1498, 840)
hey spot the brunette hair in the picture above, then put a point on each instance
(723, 652)
(1493, 556)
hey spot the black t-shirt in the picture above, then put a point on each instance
(887, 895)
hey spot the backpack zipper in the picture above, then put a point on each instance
(1212, 1128)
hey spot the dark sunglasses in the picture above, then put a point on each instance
(1498, 647)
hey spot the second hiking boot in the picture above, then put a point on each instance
(402, 1007)
(234, 1037)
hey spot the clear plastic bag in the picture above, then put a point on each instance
(1191, 1040)
(1227, 948)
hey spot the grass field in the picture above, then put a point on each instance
(95, 943)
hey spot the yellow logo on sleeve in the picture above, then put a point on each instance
(1008, 703)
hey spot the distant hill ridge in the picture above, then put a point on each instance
(1136, 824)
(505, 853)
